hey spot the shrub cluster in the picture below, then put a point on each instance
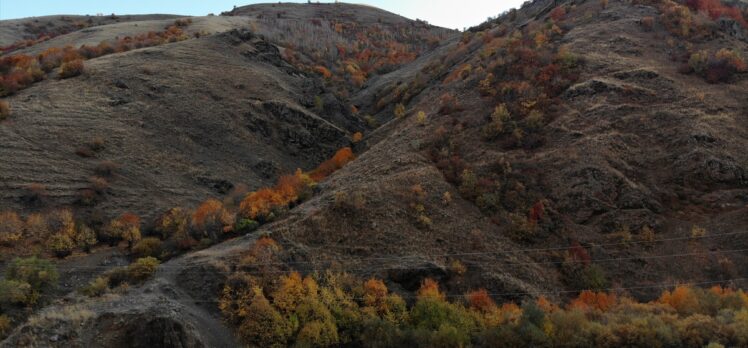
(137, 272)
(721, 66)
(333, 309)
(26, 281)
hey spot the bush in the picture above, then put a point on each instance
(421, 117)
(677, 18)
(104, 168)
(499, 124)
(71, 69)
(4, 110)
(96, 288)
(14, 292)
(142, 269)
(593, 278)
(246, 226)
(126, 227)
(61, 245)
(357, 137)
(85, 238)
(150, 246)
(40, 274)
(173, 222)
(399, 110)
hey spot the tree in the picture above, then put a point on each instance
(259, 205)
(210, 218)
(61, 245)
(125, 227)
(85, 237)
(263, 325)
(172, 223)
(40, 274)
(480, 301)
(289, 294)
(36, 226)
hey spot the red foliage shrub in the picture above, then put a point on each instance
(716, 10)
(341, 158)
(536, 212)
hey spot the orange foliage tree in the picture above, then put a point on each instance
(590, 300)
(480, 301)
(210, 218)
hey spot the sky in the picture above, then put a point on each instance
(446, 13)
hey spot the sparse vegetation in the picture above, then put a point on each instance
(138, 272)
(21, 71)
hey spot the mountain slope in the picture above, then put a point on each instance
(150, 113)
(563, 147)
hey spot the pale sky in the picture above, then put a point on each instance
(446, 13)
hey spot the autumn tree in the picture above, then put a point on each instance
(210, 219)
(85, 237)
(263, 325)
(378, 302)
(126, 227)
(173, 222)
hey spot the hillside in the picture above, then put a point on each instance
(563, 149)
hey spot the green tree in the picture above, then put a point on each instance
(40, 274)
